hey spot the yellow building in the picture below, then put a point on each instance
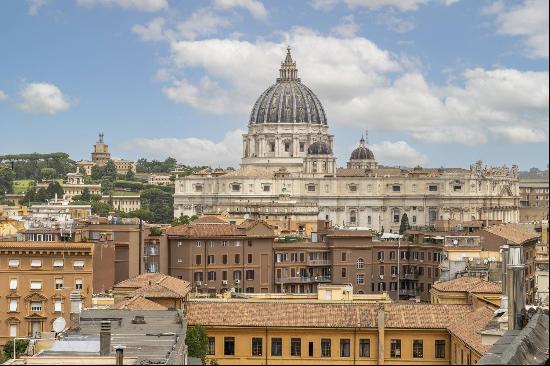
(41, 281)
(10, 227)
(467, 290)
(252, 332)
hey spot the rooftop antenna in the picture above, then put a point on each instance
(367, 137)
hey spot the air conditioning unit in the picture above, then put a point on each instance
(237, 281)
(198, 283)
(381, 277)
(224, 282)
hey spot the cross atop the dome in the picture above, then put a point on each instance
(288, 70)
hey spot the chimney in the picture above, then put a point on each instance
(381, 333)
(76, 307)
(515, 287)
(505, 251)
(105, 338)
(119, 355)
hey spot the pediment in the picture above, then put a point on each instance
(35, 297)
(13, 320)
(35, 316)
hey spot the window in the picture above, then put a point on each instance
(396, 216)
(78, 264)
(267, 188)
(229, 346)
(198, 188)
(59, 283)
(13, 263)
(211, 275)
(57, 305)
(36, 305)
(396, 188)
(237, 258)
(13, 330)
(78, 284)
(344, 272)
(302, 146)
(224, 259)
(13, 305)
(364, 348)
(210, 259)
(287, 146)
(250, 274)
(381, 270)
(360, 263)
(344, 347)
(13, 283)
(236, 275)
(344, 256)
(432, 188)
(257, 344)
(211, 348)
(58, 263)
(36, 285)
(380, 256)
(381, 286)
(353, 217)
(276, 346)
(198, 276)
(414, 219)
(249, 258)
(199, 243)
(457, 188)
(311, 187)
(295, 347)
(224, 275)
(439, 349)
(325, 347)
(235, 187)
(360, 279)
(418, 348)
(198, 259)
(353, 188)
(224, 243)
(395, 348)
(310, 349)
(272, 146)
(36, 263)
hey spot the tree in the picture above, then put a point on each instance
(53, 189)
(404, 224)
(85, 195)
(109, 170)
(7, 175)
(197, 342)
(155, 231)
(129, 175)
(142, 213)
(160, 203)
(41, 195)
(48, 173)
(20, 347)
(101, 208)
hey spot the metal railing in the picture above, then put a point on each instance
(313, 279)
(318, 262)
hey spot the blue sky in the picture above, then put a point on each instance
(436, 82)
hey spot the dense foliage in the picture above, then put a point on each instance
(160, 203)
(155, 166)
(197, 342)
(20, 347)
(184, 220)
(7, 176)
(404, 224)
(42, 194)
(39, 166)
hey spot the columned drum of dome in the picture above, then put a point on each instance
(284, 122)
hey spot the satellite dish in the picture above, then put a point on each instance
(455, 242)
(59, 325)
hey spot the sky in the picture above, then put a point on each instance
(435, 82)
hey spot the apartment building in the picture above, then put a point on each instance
(250, 332)
(216, 256)
(534, 195)
(124, 202)
(41, 281)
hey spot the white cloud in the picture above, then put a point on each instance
(202, 22)
(402, 5)
(255, 7)
(43, 98)
(35, 5)
(395, 24)
(152, 31)
(398, 153)
(347, 28)
(141, 5)
(529, 20)
(3, 96)
(520, 135)
(192, 150)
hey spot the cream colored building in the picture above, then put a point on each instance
(74, 186)
(289, 171)
(100, 156)
(160, 180)
(125, 203)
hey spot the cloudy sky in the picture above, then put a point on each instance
(435, 82)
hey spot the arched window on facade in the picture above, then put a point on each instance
(314, 167)
(353, 217)
(360, 263)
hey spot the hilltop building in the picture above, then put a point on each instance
(101, 155)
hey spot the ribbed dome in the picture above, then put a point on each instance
(288, 100)
(362, 152)
(319, 148)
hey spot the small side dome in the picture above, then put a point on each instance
(319, 148)
(362, 152)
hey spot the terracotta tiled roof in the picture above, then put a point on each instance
(277, 314)
(468, 328)
(149, 284)
(512, 233)
(205, 230)
(209, 219)
(138, 303)
(44, 245)
(468, 284)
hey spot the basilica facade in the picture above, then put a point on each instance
(289, 172)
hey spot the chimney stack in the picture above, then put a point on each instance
(105, 338)
(515, 287)
(381, 322)
(119, 355)
(505, 251)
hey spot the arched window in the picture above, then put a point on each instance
(360, 263)
(353, 217)
(324, 166)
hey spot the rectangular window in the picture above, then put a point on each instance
(211, 275)
(432, 188)
(344, 272)
(325, 347)
(229, 346)
(381, 270)
(13, 283)
(59, 283)
(58, 263)
(276, 346)
(344, 256)
(287, 146)
(249, 258)
(198, 276)
(36, 306)
(302, 145)
(57, 305)
(395, 348)
(210, 259)
(36, 263)
(380, 256)
(257, 344)
(360, 279)
(396, 188)
(224, 259)
(249, 274)
(199, 244)
(457, 188)
(198, 259)
(296, 347)
(364, 348)
(236, 275)
(344, 347)
(211, 348)
(267, 188)
(13, 305)
(13, 263)
(235, 187)
(78, 264)
(13, 330)
(311, 188)
(310, 349)
(237, 258)
(392, 255)
(36, 285)
(439, 349)
(78, 284)
(414, 219)
(418, 348)
(224, 275)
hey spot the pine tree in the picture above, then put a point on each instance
(404, 224)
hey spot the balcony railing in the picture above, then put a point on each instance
(408, 276)
(318, 262)
(408, 292)
(313, 279)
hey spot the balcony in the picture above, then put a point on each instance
(408, 292)
(314, 279)
(408, 276)
(318, 262)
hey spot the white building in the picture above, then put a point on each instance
(288, 171)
